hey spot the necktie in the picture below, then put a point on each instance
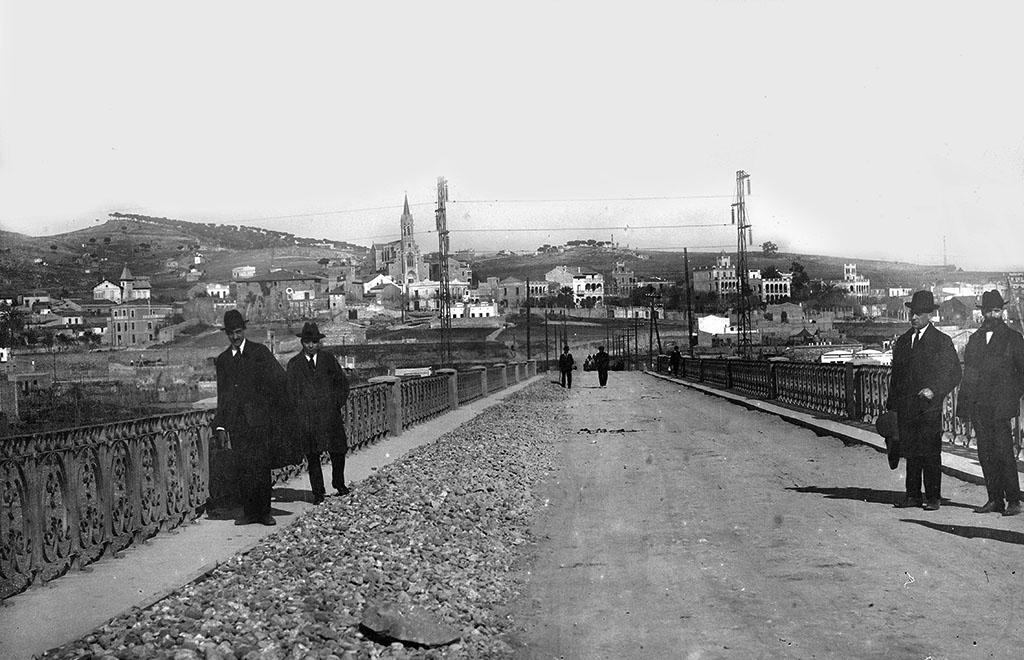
(312, 365)
(917, 339)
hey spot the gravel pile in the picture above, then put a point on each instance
(439, 530)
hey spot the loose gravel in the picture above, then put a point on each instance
(441, 529)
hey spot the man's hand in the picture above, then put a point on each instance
(927, 393)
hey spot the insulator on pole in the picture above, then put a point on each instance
(733, 212)
(748, 185)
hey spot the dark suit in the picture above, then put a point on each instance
(601, 363)
(932, 364)
(990, 397)
(318, 400)
(250, 394)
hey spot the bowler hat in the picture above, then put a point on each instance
(310, 332)
(233, 320)
(991, 300)
(887, 426)
(922, 302)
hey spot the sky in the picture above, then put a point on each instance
(870, 129)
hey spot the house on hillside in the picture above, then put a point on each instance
(960, 311)
(137, 323)
(106, 290)
(587, 285)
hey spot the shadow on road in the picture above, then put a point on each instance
(969, 532)
(873, 495)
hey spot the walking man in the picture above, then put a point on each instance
(318, 389)
(601, 364)
(565, 367)
(990, 397)
(674, 359)
(250, 391)
(925, 368)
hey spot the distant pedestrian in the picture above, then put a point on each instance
(565, 367)
(925, 368)
(250, 392)
(601, 364)
(674, 360)
(990, 397)
(318, 389)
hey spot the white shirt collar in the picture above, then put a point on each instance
(241, 349)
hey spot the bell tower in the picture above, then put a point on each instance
(409, 253)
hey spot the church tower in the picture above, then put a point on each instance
(409, 253)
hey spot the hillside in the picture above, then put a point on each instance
(74, 262)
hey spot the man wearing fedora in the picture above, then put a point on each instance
(318, 389)
(250, 391)
(925, 368)
(990, 397)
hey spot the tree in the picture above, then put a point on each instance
(565, 298)
(769, 249)
(770, 273)
(324, 262)
(800, 286)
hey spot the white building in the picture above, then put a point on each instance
(587, 285)
(770, 290)
(854, 284)
(719, 278)
(243, 272)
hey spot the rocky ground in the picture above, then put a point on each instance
(438, 533)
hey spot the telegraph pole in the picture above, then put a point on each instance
(739, 218)
(689, 308)
(444, 290)
(527, 318)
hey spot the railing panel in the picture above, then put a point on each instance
(366, 419)
(470, 385)
(752, 377)
(423, 398)
(67, 497)
(495, 379)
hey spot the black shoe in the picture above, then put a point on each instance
(267, 520)
(1012, 509)
(246, 520)
(931, 505)
(993, 507)
(318, 498)
(343, 490)
(910, 503)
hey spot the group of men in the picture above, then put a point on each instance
(925, 368)
(566, 365)
(259, 401)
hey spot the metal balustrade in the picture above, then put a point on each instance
(69, 497)
(423, 398)
(856, 393)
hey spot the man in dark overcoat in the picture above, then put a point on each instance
(925, 368)
(990, 397)
(601, 361)
(566, 364)
(675, 358)
(318, 390)
(250, 392)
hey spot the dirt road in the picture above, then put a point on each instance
(682, 526)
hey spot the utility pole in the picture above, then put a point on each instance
(547, 354)
(527, 318)
(739, 218)
(444, 291)
(689, 308)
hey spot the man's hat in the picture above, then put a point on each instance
(991, 300)
(922, 302)
(310, 332)
(233, 320)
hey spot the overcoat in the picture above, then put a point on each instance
(993, 373)
(250, 388)
(934, 364)
(251, 402)
(318, 402)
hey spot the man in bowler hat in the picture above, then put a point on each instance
(925, 368)
(250, 389)
(565, 367)
(318, 389)
(990, 397)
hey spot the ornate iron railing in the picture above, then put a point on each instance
(471, 385)
(423, 398)
(851, 392)
(70, 497)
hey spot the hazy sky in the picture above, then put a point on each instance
(869, 129)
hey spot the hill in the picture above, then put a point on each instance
(72, 263)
